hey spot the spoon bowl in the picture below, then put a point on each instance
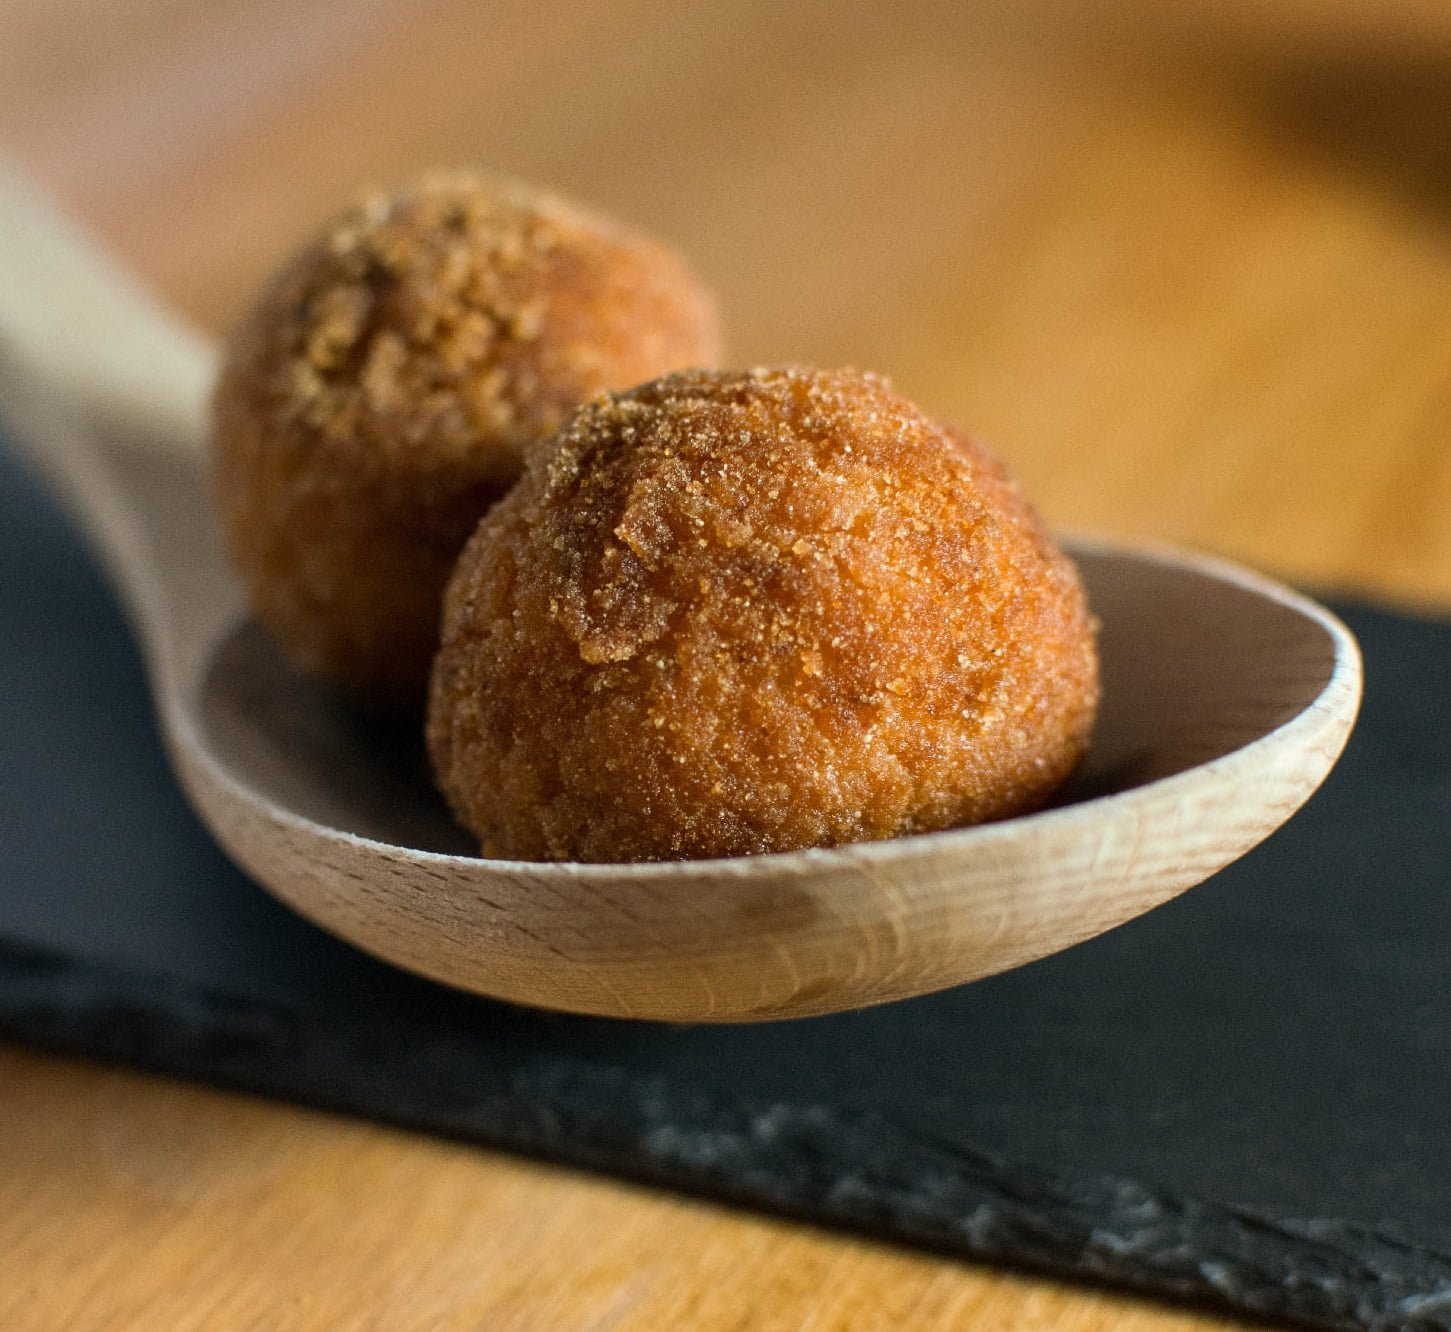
(1227, 699)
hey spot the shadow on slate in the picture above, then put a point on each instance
(1242, 1098)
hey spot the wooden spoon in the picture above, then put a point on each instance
(1227, 700)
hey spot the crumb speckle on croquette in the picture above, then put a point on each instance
(386, 387)
(729, 613)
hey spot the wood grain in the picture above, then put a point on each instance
(1192, 276)
(137, 1203)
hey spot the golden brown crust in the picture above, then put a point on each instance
(385, 388)
(736, 613)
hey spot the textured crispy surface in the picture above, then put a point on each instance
(736, 613)
(384, 390)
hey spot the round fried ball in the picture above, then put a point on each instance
(384, 390)
(738, 613)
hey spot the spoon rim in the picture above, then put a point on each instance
(1343, 687)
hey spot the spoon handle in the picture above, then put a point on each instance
(106, 394)
(81, 328)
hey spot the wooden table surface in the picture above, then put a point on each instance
(1188, 267)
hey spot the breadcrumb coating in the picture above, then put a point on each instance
(384, 390)
(731, 613)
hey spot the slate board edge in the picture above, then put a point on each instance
(807, 1161)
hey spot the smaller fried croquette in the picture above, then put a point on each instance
(383, 392)
(730, 613)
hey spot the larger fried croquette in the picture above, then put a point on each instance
(730, 613)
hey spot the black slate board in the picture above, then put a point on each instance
(1242, 1098)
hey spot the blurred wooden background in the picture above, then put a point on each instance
(1188, 267)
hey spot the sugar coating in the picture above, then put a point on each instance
(384, 390)
(733, 613)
